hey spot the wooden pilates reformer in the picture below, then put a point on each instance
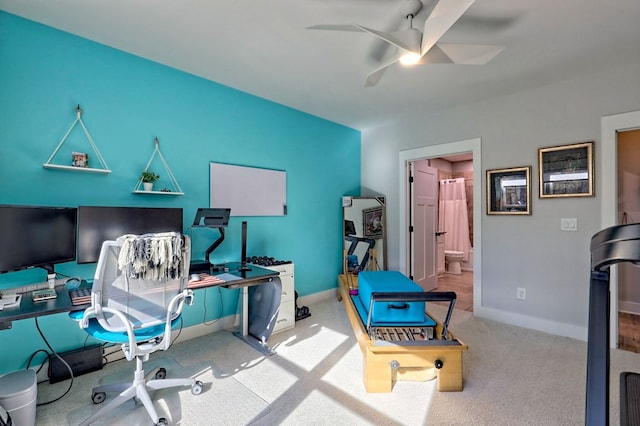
(413, 353)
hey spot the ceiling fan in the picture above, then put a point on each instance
(424, 47)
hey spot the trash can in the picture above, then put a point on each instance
(18, 393)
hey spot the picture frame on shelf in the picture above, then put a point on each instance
(373, 222)
(509, 191)
(79, 159)
(566, 170)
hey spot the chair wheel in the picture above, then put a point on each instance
(196, 388)
(161, 374)
(137, 401)
(98, 397)
(162, 422)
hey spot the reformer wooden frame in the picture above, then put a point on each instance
(385, 364)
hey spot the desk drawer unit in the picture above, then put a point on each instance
(287, 314)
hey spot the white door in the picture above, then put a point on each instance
(424, 222)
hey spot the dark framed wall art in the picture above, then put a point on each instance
(509, 191)
(373, 223)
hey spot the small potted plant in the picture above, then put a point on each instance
(148, 178)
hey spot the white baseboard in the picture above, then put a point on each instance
(551, 327)
(314, 298)
(629, 307)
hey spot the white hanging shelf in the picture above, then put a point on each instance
(104, 169)
(176, 187)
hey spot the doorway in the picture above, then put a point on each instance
(611, 126)
(450, 186)
(628, 183)
(471, 148)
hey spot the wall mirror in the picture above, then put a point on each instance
(364, 231)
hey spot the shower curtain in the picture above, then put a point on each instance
(452, 216)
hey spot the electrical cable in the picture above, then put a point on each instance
(204, 317)
(46, 342)
(43, 361)
(179, 332)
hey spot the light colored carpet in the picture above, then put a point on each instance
(513, 376)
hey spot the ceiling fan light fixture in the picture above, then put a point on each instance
(410, 58)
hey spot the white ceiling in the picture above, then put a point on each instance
(263, 47)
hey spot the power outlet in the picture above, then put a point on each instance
(521, 293)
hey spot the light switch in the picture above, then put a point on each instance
(569, 224)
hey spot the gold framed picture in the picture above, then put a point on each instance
(509, 191)
(566, 171)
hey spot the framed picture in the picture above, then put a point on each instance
(373, 222)
(566, 171)
(509, 191)
(79, 159)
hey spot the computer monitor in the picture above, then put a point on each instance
(97, 224)
(36, 237)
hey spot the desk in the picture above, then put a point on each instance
(235, 278)
(232, 279)
(30, 309)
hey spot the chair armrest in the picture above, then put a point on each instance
(173, 310)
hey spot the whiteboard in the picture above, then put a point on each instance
(248, 191)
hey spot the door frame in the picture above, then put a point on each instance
(440, 150)
(610, 126)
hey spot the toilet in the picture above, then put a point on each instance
(453, 259)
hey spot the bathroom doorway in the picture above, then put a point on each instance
(473, 146)
(452, 245)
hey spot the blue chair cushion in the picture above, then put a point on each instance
(142, 335)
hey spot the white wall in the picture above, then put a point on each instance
(518, 251)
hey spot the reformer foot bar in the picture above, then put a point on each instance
(401, 351)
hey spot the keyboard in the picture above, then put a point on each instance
(37, 286)
(80, 296)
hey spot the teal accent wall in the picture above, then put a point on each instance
(127, 101)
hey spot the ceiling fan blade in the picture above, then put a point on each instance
(380, 48)
(470, 54)
(442, 17)
(337, 27)
(374, 77)
(408, 40)
(435, 55)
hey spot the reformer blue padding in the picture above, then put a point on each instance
(387, 313)
(363, 312)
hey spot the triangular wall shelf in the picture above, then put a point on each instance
(96, 151)
(139, 189)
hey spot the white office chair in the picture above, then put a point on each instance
(138, 294)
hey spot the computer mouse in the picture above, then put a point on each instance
(195, 277)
